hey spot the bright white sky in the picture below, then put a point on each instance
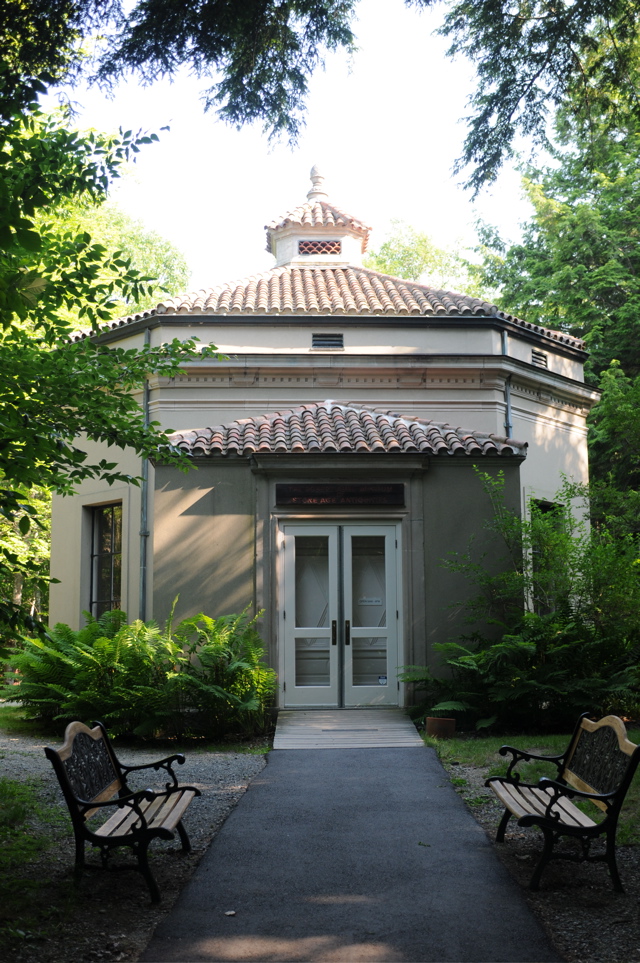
(384, 131)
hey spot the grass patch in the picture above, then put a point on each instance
(28, 827)
(482, 754)
(13, 721)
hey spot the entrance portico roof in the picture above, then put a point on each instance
(335, 427)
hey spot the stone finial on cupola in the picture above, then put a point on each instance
(317, 232)
(317, 192)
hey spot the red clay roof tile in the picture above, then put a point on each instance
(334, 427)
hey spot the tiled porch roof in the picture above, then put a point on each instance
(333, 427)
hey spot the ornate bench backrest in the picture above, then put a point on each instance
(86, 765)
(601, 757)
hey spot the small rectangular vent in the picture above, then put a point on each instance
(335, 341)
(539, 358)
(319, 247)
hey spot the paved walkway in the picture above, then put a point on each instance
(345, 729)
(350, 856)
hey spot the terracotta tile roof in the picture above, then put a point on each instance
(325, 291)
(314, 214)
(332, 427)
(331, 292)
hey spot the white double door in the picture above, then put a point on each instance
(339, 617)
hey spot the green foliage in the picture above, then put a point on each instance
(13, 720)
(614, 453)
(260, 52)
(539, 678)
(263, 50)
(52, 281)
(146, 251)
(532, 58)
(564, 614)
(205, 677)
(28, 585)
(411, 254)
(223, 676)
(28, 826)
(577, 268)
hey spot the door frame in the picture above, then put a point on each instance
(308, 526)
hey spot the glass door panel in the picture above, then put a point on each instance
(369, 607)
(370, 615)
(309, 616)
(339, 619)
(312, 609)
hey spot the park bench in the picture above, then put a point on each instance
(94, 783)
(598, 765)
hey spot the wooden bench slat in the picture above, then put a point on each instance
(178, 808)
(163, 812)
(531, 801)
(124, 819)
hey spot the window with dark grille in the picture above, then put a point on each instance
(327, 341)
(106, 559)
(548, 529)
(539, 358)
(319, 247)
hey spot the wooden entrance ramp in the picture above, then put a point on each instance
(345, 729)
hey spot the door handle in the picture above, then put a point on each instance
(347, 632)
(334, 632)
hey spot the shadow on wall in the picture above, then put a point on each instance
(203, 548)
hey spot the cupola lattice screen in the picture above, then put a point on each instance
(319, 247)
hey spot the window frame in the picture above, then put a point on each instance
(97, 605)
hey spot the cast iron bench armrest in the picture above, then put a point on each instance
(147, 794)
(562, 789)
(165, 764)
(521, 755)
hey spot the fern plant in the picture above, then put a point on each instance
(207, 677)
(222, 678)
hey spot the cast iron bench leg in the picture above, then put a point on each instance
(184, 839)
(143, 864)
(544, 859)
(506, 816)
(611, 862)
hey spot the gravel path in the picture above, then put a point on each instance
(111, 918)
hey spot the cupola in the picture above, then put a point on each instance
(317, 232)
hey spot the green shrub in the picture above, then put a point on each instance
(561, 623)
(205, 677)
(540, 678)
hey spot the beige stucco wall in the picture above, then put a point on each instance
(375, 336)
(71, 540)
(456, 510)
